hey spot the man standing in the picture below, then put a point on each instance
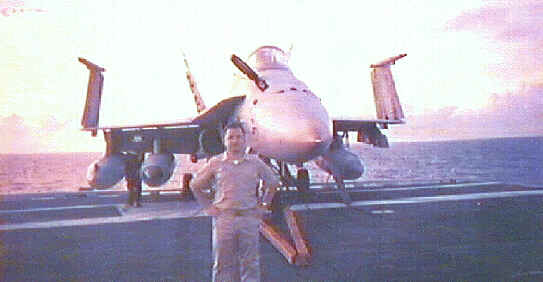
(235, 210)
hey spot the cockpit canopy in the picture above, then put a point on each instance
(268, 57)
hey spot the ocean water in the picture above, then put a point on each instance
(24, 173)
(508, 160)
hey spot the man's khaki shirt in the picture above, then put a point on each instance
(235, 182)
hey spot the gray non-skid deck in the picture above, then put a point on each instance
(488, 238)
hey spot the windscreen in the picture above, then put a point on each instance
(268, 57)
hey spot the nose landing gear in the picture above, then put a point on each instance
(302, 180)
(186, 193)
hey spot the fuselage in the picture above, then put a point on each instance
(286, 121)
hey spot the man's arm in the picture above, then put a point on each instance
(270, 182)
(203, 180)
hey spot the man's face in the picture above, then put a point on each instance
(234, 140)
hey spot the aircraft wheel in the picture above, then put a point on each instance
(302, 180)
(186, 193)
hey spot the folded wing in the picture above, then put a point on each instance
(387, 105)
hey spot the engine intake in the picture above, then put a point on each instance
(211, 141)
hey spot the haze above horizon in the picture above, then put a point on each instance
(473, 70)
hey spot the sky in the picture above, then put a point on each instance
(474, 69)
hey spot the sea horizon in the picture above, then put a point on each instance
(351, 143)
(510, 160)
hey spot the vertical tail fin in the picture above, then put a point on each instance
(200, 105)
(387, 103)
(91, 112)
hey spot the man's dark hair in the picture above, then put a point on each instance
(235, 124)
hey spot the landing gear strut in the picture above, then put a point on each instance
(186, 194)
(285, 196)
(302, 180)
(343, 192)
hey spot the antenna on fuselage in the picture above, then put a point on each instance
(290, 50)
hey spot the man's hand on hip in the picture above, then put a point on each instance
(264, 210)
(212, 211)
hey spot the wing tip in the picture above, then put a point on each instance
(389, 61)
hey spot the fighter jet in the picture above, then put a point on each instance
(285, 123)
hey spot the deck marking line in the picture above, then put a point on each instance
(421, 187)
(109, 196)
(170, 192)
(55, 208)
(146, 213)
(420, 200)
(382, 211)
(44, 198)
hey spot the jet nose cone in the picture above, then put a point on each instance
(293, 128)
(316, 141)
(305, 140)
(310, 134)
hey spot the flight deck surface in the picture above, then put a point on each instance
(392, 232)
